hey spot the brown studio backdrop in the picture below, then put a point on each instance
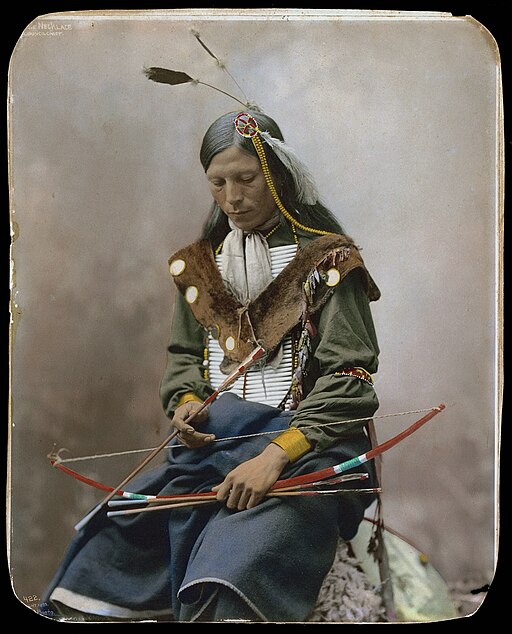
(397, 121)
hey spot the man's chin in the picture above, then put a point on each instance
(243, 222)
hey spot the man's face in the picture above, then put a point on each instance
(239, 188)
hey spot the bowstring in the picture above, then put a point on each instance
(59, 460)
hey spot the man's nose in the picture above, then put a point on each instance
(233, 193)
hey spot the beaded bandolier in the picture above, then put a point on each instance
(270, 385)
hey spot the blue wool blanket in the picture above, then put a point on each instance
(274, 556)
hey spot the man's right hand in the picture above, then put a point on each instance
(187, 432)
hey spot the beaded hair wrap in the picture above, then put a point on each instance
(247, 127)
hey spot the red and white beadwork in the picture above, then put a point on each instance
(246, 125)
(358, 373)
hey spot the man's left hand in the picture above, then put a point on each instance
(246, 485)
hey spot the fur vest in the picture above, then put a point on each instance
(299, 291)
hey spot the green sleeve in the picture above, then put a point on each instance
(184, 372)
(346, 338)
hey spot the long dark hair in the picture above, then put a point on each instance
(222, 135)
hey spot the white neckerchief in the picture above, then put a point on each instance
(246, 264)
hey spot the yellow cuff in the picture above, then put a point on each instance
(293, 442)
(188, 396)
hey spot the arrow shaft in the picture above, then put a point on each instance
(211, 500)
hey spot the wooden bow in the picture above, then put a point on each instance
(294, 482)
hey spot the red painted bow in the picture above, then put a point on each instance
(280, 484)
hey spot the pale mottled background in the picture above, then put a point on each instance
(397, 121)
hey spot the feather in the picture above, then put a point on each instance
(304, 183)
(197, 35)
(221, 65)
(166, 76)
(175, 77)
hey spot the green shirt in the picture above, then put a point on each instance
(346, 338)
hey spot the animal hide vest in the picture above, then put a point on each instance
(301, 289)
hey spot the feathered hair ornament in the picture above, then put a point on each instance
(304, 184)
(175, 77)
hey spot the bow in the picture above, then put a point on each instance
(295, 482)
